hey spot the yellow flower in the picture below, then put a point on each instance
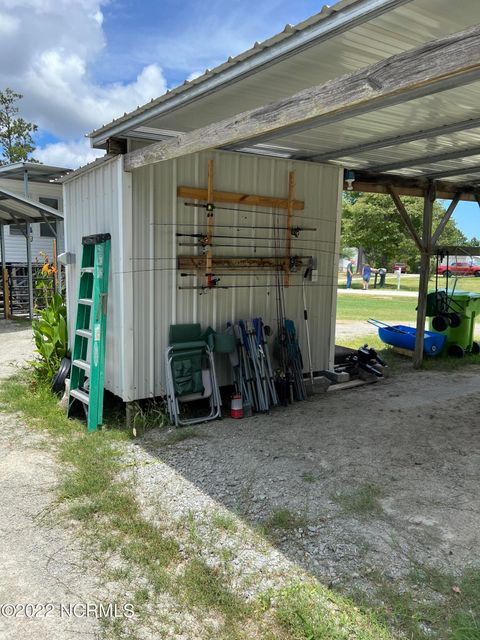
(45, 268)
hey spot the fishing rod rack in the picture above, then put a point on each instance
(207, 263)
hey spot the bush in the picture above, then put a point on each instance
(50, 334)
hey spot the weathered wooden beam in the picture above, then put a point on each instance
(237, 264)
(443, 222)
(452, 173)
(403, 213)
(229, 197)
(411, 186)
(446, 63)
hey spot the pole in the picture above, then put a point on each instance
(428, 201)
(28, 240)
(6, 297)
(307, 328)
(55, 266)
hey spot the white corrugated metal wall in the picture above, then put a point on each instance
(99, 201)
(141, 211)
(156, 298)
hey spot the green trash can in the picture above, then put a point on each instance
(457, 312)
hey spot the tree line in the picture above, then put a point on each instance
(371, 223)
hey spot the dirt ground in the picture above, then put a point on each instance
(380, 477)
(41, 563)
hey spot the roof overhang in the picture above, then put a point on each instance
(18, 209)
(35, 171)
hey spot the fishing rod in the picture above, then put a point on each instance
(294, 230)
(202, 237)
(248, 286)
(210, 208)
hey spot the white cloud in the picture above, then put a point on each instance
(51, 60)
(70, 154)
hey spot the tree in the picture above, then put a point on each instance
(372, 222)
(16, 141)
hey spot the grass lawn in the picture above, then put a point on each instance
(385, 308)
(409, 282)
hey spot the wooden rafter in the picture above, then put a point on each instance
(443, 222)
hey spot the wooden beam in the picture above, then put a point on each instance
(443, 222)
(411, 188)
(405, 217)
(237, 264)
(424, 275)
(229, 197)
(435, 66)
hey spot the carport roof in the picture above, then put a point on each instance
(436, 136)
(36, 172)
(15, 209)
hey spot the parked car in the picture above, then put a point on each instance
(460, 268)
(400, 265)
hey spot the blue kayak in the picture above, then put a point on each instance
(402, 336)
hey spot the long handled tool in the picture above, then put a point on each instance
(307, 275)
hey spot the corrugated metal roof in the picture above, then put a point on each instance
(14, 205)
(400, 26)
(37, 172)
(288, 33)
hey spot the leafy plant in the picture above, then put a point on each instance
(50, 334)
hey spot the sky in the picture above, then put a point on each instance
(81, 63)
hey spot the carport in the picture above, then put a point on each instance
(354, 120)
(22, 211)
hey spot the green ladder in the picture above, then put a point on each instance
(88, 360)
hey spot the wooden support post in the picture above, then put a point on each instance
(209, 223)
(288, 241)
(428, 201)
(55, 266)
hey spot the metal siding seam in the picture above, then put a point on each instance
(152, 263)
(125, 282)
(333, 291)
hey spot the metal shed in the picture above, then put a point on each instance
(143, 212)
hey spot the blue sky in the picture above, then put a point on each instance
(80, 63)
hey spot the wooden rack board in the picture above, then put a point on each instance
(207, 262)
(199, 263)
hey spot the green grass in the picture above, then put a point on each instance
(387, 309)
(361, 501)
(434, 605)
(282, 518)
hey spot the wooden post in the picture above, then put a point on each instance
(428, 201)
(55, 266)
(28, 239)
(209, 222)
(288, 240)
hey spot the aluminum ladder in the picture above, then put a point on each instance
(88, 359)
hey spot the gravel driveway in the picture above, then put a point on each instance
(41, 564)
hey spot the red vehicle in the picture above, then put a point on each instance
(400, 265)
(460, 268)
